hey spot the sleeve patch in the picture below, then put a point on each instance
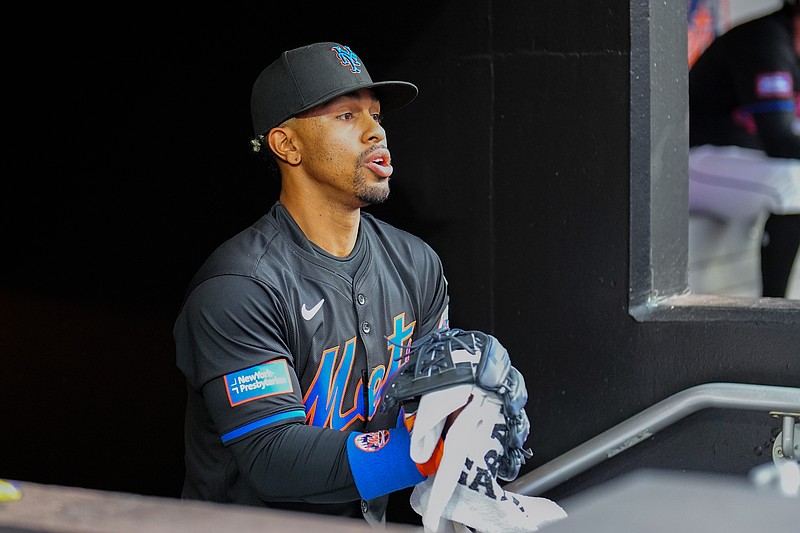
(258, 381)
(774, 85)
(371, 442)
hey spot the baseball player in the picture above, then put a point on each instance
(290, 329)
(744, 158)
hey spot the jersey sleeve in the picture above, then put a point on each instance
(230, 340)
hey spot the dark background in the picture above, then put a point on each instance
(128, 163)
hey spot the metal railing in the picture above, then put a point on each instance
(782, 400)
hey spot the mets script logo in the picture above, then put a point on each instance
(347, 58)
(372, 442)
(325, 398)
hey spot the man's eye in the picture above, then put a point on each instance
(346, 116)
(377, 117)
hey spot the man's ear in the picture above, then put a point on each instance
(282, 143)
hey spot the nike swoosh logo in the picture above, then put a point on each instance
(307, 313)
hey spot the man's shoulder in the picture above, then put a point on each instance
(244, 253)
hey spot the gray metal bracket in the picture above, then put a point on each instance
(787, 447)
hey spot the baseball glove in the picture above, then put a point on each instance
(449, 357)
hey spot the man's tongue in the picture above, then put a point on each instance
(380, 168)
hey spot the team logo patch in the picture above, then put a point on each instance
(258, 381)
(347, 58)
(372, 442)
(774, 85)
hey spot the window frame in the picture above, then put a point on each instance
(659, 148)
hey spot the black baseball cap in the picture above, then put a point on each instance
(311, 75)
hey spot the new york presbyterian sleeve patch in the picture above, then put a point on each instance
(258, 381)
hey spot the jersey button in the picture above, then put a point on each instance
(365, 327)
(361, 299)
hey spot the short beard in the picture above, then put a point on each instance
(369, 194)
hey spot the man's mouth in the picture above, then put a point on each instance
(379, 162)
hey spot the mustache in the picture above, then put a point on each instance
(366, 153)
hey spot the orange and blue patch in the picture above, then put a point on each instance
(372, 442)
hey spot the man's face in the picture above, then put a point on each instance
(343, 149)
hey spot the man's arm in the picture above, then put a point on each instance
(764, 65)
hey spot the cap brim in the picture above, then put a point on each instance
(392, 95)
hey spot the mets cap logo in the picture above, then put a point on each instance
(372, 442)
(347, 58)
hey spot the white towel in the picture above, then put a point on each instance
(430, 417)
(464, 492)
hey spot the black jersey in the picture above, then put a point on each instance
(743, 88)
(275, 334)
